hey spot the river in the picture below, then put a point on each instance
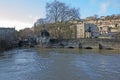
(60, 64)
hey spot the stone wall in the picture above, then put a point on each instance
(106, 43)
(85, 43)
(91, 43)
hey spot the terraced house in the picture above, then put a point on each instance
(100, 27)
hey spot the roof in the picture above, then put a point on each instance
(1, 28)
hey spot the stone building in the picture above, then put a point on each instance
(87, 30)
(8, 34)
(8, 37)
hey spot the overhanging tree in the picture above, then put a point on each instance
(61, 15)
(60, 12)
(58, 20)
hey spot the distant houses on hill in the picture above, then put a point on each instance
(91, 27)
(101, 27)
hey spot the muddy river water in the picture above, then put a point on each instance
(60, 64)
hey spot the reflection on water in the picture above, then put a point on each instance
(60, 64)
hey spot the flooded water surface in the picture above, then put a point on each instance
(60, 64)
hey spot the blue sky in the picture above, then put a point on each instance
(23, 13)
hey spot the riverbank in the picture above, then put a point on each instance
(5, 49)
(7, 45)
(85, 44)
(101, 43)
(77, 50)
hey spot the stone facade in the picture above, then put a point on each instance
(80, 30)
(8, 34)
(87, 30)
(100, 27)
(8, 38)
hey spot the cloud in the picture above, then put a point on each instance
(19, 22)
(108, 4)
(14, 23)
(103, 8)
(33, 18)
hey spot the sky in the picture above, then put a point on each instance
(23, 13)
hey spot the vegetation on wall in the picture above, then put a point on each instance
(58, 20)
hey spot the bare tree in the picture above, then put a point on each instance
(60, 14)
